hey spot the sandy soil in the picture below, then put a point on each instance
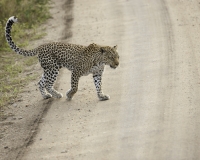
(154, 108)
(25, 114)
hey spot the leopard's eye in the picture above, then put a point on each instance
(112, 58)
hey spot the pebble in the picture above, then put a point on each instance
(14, 105)
(65, 151)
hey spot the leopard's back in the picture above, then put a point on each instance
(64, 55)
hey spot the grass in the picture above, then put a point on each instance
(31, 14)
(10, 81)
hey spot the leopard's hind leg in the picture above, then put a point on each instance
(51, 76)
(42, 85)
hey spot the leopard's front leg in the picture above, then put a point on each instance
(98, 85)
(74, 85)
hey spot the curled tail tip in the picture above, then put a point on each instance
(13, 18)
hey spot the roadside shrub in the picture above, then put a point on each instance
(29, 12)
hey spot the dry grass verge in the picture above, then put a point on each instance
(31, 14)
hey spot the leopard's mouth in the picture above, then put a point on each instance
(113, 67)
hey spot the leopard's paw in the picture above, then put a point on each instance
(69, 99)
(47, 96)
(58, 95)
(69, 96)
(104, 97)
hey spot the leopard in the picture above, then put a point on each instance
(79, 59)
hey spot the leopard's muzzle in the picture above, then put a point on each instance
(115, 65)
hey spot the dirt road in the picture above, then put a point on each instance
(154, 110)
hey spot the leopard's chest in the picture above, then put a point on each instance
(94, 69)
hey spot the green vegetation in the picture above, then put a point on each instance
(30, 13)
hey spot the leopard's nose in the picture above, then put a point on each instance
(117, 63)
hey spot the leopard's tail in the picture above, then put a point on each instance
(13, 46)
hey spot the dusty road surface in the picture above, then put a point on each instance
(154, 110)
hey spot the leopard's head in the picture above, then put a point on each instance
(110, 56)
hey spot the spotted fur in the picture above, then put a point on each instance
(80, 60)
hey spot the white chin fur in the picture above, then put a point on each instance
(13, 18)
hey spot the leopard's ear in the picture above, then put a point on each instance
(115, 47)
(102, 49)
(92, 45)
